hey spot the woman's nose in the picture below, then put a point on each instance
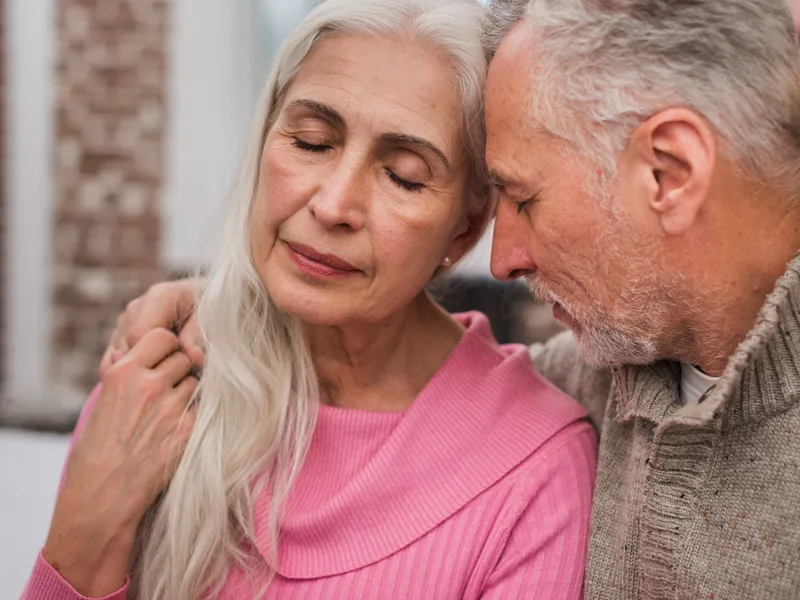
(341, 200)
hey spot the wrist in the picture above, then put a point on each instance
(92, 558)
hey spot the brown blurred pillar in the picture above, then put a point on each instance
(110, 171)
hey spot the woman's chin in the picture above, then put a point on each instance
(320, 318)
(315, 309)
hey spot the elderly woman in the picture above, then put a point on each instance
(349, 439)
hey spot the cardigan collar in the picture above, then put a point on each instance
(761, 379)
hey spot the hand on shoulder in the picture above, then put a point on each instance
(168, 305)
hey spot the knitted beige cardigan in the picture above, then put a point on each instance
(701, 501)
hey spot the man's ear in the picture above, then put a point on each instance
(676, 152)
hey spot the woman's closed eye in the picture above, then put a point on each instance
(309, 147)
(411, 186)
(407, 170)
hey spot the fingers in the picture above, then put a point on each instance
(168, 306)
(177, 401)
(184, 390)
(165, 305)
(191, 341)
(106, 362)
(154, 347)
(180, 397)
(174, 368)
(117, 347)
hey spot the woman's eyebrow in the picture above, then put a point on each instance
(403, 138)
(324, 111)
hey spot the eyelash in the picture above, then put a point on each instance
(320, 148)
(522, 205)
(406, 185)
(317, 148)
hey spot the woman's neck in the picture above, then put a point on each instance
(383, 366)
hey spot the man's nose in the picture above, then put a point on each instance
(512, 235)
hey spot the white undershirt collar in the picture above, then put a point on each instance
(694, 383)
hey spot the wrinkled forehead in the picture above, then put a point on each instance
(509, 80)
(382, 83)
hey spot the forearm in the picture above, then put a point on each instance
(92, 557)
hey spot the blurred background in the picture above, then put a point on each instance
(122, 124)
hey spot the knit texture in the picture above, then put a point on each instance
(699, 501)
(482, 489)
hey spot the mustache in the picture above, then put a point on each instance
(542, 292)
(545, 294)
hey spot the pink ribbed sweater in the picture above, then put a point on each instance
(482, 489)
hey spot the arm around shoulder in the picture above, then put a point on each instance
(559, 361)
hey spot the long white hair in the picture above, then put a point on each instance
(258, 393)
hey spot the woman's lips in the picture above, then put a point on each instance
(318, 263)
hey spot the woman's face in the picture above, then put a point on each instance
(361, 183)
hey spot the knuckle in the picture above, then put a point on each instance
(158, 290)
(111, 376)
(131, 309)
(166, 335)
(118, 372)
(160, 336)
(152, 385)
(186, 362)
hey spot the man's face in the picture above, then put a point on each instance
(560, 225)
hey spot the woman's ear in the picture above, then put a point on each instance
(468, 233)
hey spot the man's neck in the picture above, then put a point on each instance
(739, 281)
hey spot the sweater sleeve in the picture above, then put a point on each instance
(559, 361)
(45, 582)
(545, 554)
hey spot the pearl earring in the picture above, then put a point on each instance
(447, 262)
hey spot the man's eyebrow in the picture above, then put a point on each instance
(323, 110)
(402, 138)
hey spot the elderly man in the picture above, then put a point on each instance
(646, 156)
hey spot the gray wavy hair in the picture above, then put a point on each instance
(604, 66)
